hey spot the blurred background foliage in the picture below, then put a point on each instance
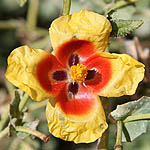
(17, 28)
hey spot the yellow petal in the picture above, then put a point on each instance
(21, 71)
(80, 129)
(82, 25)
(126, 73)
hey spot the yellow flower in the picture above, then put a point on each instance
(82, 25)
(75, 76)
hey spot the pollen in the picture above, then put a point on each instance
(78, 72)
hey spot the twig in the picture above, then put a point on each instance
(38, 134)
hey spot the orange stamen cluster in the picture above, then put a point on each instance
(78, 72)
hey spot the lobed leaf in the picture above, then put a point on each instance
(14, 105)
(135, 117)
(124, 27)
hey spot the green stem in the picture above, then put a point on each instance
(32, 14)
(118, 145)
(137, 117)
(4, 133)
(66, 7)
(38, 134)
(23, 102)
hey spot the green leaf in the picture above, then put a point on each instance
(14, 105)
(21, 2)
(135, 116)
(124, 27)
(14, 113)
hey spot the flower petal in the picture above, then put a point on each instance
(74, 52)
(119, 74)
(80, 119)
(83, 25)
(101, 69)
(30, 70)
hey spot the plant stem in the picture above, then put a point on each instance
(4, 132)
(32, 14)
(38, 134)
(23, 101)
(118, 145)
(66, 7)
(137, 117)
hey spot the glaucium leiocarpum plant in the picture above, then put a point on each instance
(75, 76)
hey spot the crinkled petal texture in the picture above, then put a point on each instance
(110, 75)
(82, 25)
(80, 119)
(31, 70)
(119, 74)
